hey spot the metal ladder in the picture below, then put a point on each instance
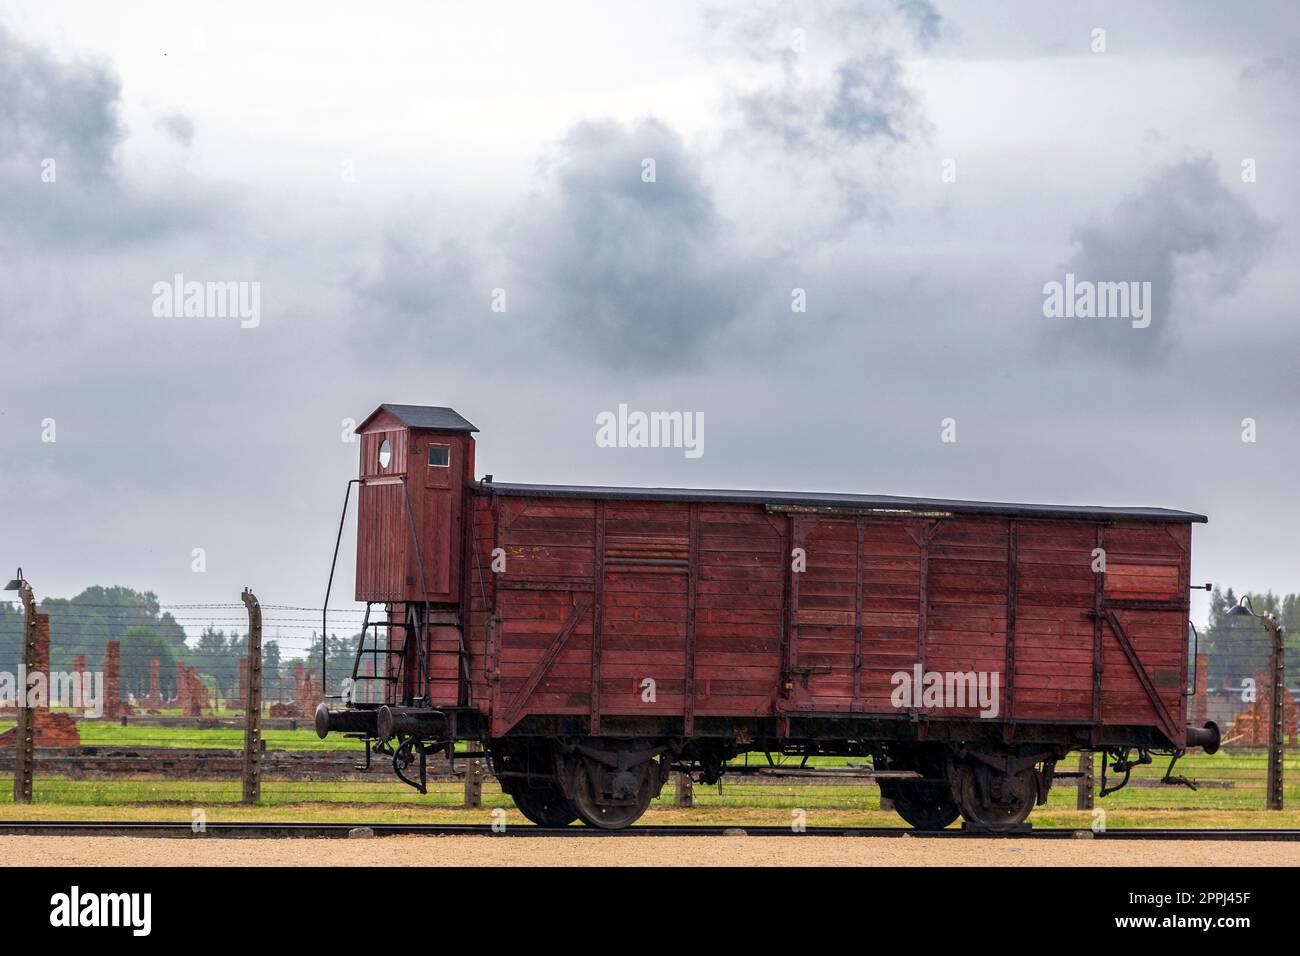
(381, 644)
(451, 617)
(385, 654)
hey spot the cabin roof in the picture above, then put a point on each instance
(884, 504)
(424, 416)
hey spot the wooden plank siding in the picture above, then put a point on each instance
(738, 605)
(966, 602)
(406, 502)
(1053, 677)
(697, 597)
(1146, 564)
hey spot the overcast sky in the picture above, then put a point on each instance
(920, 170)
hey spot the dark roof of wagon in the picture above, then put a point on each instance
(425, 416)
(885, 504)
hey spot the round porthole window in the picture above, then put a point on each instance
(385, 454)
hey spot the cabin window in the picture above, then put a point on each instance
(385, 454)
(439, 456)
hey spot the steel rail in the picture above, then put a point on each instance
(273, 830)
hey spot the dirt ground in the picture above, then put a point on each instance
(637, 851)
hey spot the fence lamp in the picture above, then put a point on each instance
(1244, 607)
(17, 583)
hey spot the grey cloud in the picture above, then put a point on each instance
(865, 101)
(870, 100)
(638, 274)
(417, 281)
(179, 127)
(844, 105)
(1183, 231)
(423, 290)
(67, 111)
(758, 29)
(924, 19)
(863, 98)
(1275, 77)
(643, 275)
(1286, 66)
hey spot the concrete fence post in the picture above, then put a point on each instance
(1086, 784)
(253, 704)
(685, 796)
(25, 731)
(474, 773)
(1277, 716)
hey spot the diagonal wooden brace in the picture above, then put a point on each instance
(1171, 728)
(511, 713)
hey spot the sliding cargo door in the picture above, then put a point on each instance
(1145, 605)
(856, 612)
(967, 608)
(538, 607)
(823, 646)
(639, 657)
(1054, 639)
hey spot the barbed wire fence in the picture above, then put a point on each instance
(177, 734)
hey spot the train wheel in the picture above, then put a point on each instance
(544, 805)
(996, 803)
(634, 788)
(925, 806)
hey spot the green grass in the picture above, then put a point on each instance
(1233, 780)
(119, 793)
(96, 733)
(105, 733)
(1232, 792)
(739, 800)
(387, 801)
(1240, 773)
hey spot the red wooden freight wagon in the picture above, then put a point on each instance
(592, 640)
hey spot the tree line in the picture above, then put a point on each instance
(83, 625)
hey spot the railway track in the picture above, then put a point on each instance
(279, 831)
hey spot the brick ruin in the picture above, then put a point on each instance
(307, 691)
(307, 694)
(1250, 727)
(50, 729)
(79, 685)
(114, 705)
(155, 699)
(191, 693)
